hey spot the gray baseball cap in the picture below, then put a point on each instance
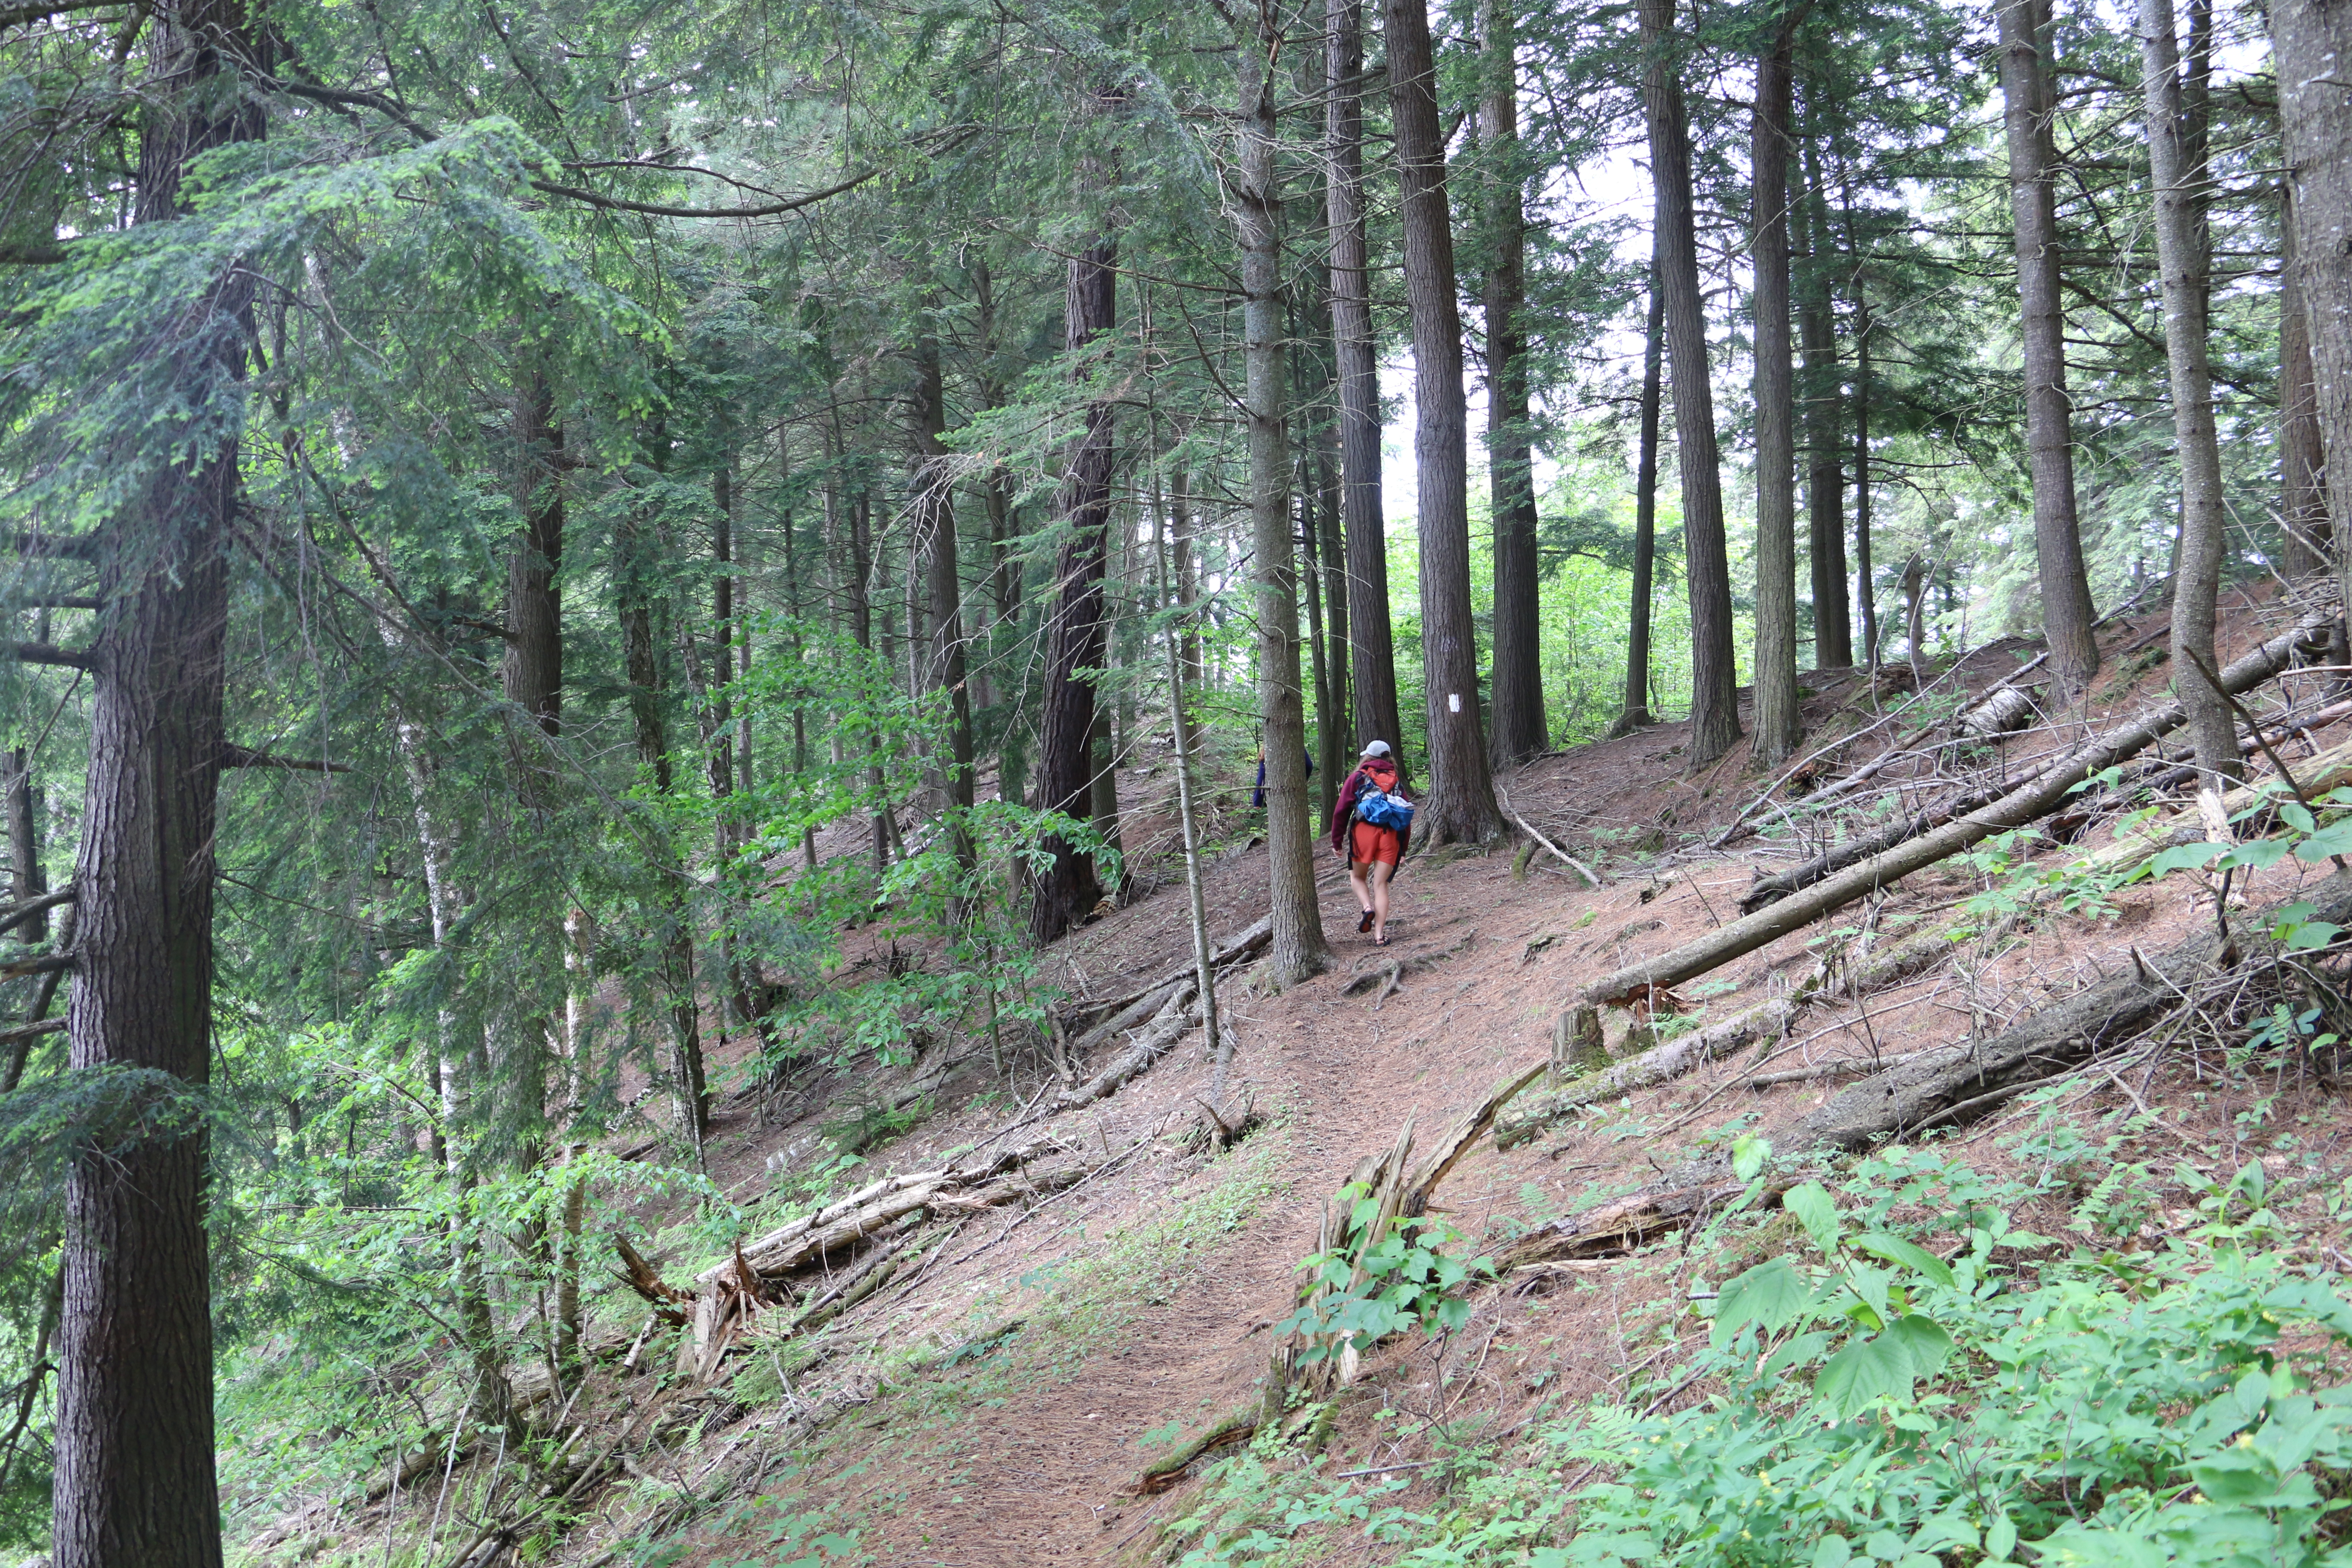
(1377, 749)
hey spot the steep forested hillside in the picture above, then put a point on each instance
(685, 684)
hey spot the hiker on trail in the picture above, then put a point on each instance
(1257, 795)
(1370, 827)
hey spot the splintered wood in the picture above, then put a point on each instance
(824, 1263)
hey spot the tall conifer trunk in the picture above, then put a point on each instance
(1370, 651)
(2312, 41)
(2028, 108)
(1634, 712)
(1824, 461)
(1069, 890)
(1298, 947)
(1458, 801)
(1715, 694)
(2175, 167)
(1519, 725)
(935, 548)
(134, 1479)
(2303, 499)
(1778, 724)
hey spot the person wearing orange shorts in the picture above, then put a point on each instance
(1373, 852)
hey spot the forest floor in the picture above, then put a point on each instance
(1142, 1299)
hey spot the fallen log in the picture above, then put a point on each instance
(787, 1240)
(1449, 1149)
(1174, 1020)
(1954, 1083)
(2037, 797)
(1094, 1014)
(2005, 806)
(1166, 1472)
(646, 1282)
(1769, 1019)
(1627, 1224)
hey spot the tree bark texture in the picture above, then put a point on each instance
(28, 883)
(635, 572)
(1298, 947)
(1519, 723)
(1335, 726)
(1715, 693)
(1778, 723)
(1370, 649)
(1458, 800)
(2312, 42)
(935, 547)
(134, 1481)
(2303, 499)
(2182, 250)
(1636, 708)
(2029, 110)
(1069, 890)
(1824, 460)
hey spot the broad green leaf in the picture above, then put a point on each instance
(2305, 935)
(1769, 1295)
(2336, 839)
(1863, 1371)
(1797, 1353)
(1816, 1211)
(1895, 1249)
(2181, 857)
(1924, 1340)
(2262, 854)
(1748, 1154)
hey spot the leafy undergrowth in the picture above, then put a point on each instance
(1913, 1382)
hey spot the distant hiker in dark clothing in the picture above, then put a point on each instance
(1257, 795)
(1372, 828)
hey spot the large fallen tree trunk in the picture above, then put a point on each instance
(1619, 1227)
(1098, 1020)
(1939, 1085)
(2036, 799)
(2001, 805)
(1873, 971)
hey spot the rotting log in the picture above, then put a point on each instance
(1895, 852)
(646, 1282)
(2037, 797)
(1169, 1470)
(1447, 1152)
(1625, 1224)
(1175, 1018)
(1844, 979)
(1097, 1015)
(1954, 1083)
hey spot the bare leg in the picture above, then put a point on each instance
(1356, 871)
(1381, 871)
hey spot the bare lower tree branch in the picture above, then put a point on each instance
(46, 653)
(236, 756)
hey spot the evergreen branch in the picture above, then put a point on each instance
(18, 15)
(658, 210)
(236, 757)
(50, 653)
(31, 255)
(25, 912)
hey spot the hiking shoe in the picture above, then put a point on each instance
(1366, 923)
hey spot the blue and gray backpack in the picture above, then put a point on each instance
(1381, 809)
